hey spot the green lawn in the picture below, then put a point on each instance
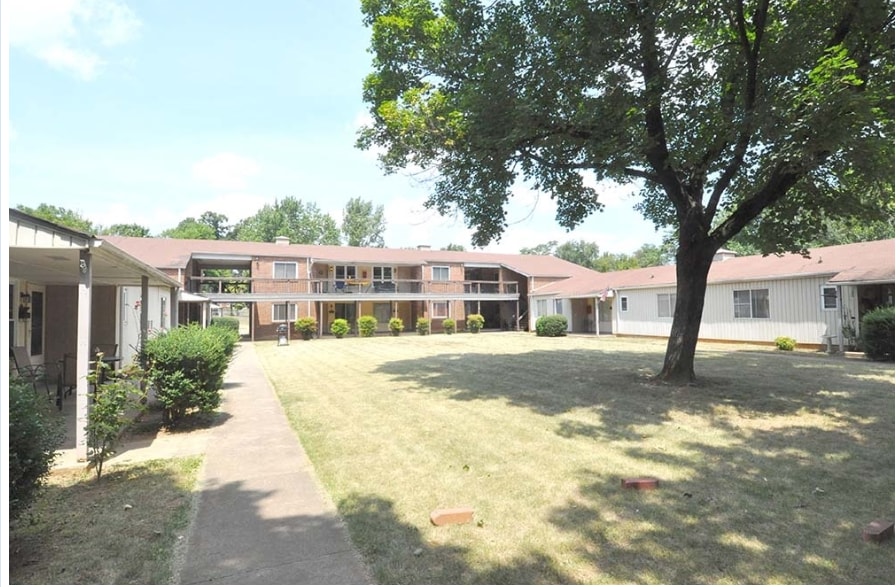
(769, 469)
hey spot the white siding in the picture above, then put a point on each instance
(794, 310)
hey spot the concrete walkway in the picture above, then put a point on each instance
(262, 517)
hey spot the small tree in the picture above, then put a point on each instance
(116, 397)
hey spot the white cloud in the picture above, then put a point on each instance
(225, 171)
(69, 34)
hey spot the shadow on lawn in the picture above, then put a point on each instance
(806, 461)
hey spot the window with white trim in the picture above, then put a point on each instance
(541, 307)
(558, 306)
(665, 305)
(283, 313)
(345, 272)
(829, 299)
(382, 273)
(285, 270)
(623, 304)
(751, 303)
(440, 309)
(441, 273)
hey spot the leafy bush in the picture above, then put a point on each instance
(449, 325)
(551, 325)
(475, 322)
(877, 333)
(114, 400)
(367, 325)
(35, 431)
(785, 343)
(226, 322)
(307, 326)
(396, 325)
(186, 366)
(339, 327)
(423, 326)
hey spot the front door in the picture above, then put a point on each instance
(347, 311)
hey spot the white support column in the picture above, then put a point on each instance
(144, 310)
(82, 354)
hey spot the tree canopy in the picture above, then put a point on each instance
(587, 254)
(61, 216)
(722, 112)
(301, 222)
(190, 228)
(363, 225)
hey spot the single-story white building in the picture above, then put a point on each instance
(817, 300)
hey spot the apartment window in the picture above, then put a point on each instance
(541, 307)
(440, 273)
(345, 272)
(665, 305)
(382, 273)
(284, 313)
(829, 298)
(283, 270)
(623, 304)
(751, 303)
(558, 306)
(440, 309)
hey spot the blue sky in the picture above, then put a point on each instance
(150, 112)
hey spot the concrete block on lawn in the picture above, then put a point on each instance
(446, 516)
(878, 531)
(640, 483)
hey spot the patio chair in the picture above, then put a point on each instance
(41, 375)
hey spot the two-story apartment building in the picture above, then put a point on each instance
(279, 282)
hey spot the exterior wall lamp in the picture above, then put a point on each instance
(24, 305)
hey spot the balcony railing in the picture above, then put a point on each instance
(258, 285)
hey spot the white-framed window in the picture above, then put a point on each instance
(440, 309)
(829, 300)
(623, 304)
(283, 313)
(558, 306)
(382, 273)
(286, 270)
(345, 272)
(751, 303)
(441, 273)
(665, 305)
(541, 307)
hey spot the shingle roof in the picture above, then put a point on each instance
(166, 253)
(858, 262)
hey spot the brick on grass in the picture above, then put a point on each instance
(878, 531)
(640, 483)
(443, 517)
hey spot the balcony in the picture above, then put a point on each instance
(247, 288)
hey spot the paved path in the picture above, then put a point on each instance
(262, 517)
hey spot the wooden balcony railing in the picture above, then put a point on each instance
(258, 285)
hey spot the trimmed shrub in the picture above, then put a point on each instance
(449, 325)
(367, 325)
(785, 343)
(186, 366)
(396, 325)
(423, 326)
(551, 325)
(226, 322)
(35, 431)
(877, 334)
(306, 326)
(475, 322)
(339, 327)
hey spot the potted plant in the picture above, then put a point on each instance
(367, 326)
(423, 326)
(475, 322)
(396, 325)
(449, 325)
(306, 326)
(339, 327)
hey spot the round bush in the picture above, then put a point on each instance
(226, 322)
(785, 343)
(877, 334)
(552, 325)
(367, 325)
(449, 325)
(475, 322)
(339, 327)
(396, 325)
(423, 326)
(35, 431)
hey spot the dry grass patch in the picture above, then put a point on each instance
(121, 530)
(769, 469)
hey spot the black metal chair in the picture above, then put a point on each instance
(40, 375)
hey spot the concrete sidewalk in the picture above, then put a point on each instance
(262, 517)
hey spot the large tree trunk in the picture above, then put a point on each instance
(693, 263)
